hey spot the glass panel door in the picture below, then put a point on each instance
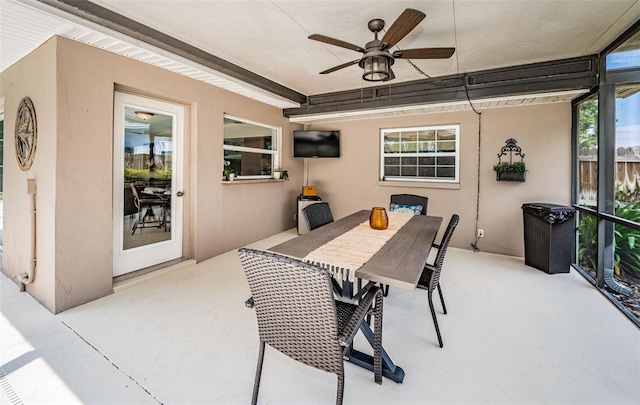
(147, 182)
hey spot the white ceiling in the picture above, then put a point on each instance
(270, 37)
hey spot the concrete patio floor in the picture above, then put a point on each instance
(182, 335)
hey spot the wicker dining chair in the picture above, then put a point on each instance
(298, 316)
(144, 204)
(317, 215)
(412, 200)
(430, 278)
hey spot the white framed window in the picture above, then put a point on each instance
(250, 148)
(420, 154)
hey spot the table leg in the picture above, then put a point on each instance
(389, 369)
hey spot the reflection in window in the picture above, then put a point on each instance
(626, 55)
(250, 149)
(627, 181)
(422, 154)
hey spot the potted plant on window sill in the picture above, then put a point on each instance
(228, 173)
(281, 174)
(506, 171)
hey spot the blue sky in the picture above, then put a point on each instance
(628, 109)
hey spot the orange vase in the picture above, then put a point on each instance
(378, 218)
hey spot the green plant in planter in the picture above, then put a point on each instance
(227, 170)
(506, 167)
(510, 171)
(284, 174)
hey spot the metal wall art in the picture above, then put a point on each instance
(510, 171)
(26, 133)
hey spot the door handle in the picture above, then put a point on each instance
(179, 193)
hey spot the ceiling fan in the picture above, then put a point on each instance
(377, 58)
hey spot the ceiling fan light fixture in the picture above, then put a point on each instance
(376, 66)
(143, 115)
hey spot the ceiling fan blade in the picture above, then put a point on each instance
(424, 53)
(336, 42)
(407, 21)
(344, 65)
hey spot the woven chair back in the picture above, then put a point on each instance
(295, 308)
(317, 215)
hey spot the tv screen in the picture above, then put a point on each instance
(316, 144)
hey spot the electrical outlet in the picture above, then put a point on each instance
(480, 233)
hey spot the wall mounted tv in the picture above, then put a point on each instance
(316, 144)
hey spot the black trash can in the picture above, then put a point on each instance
(548, 236)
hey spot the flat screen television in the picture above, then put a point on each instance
(316, 144)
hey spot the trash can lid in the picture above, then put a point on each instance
(551, 213)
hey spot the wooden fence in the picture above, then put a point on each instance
(627, 174)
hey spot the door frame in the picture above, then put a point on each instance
(130, 260)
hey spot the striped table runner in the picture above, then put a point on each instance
(348, 252)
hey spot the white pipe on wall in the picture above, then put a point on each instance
(27, 278)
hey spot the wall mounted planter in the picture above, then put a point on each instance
(510, 171)
(511, 176)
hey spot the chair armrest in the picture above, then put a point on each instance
(363, 308)
(249, 303)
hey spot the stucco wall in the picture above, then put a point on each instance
(78, 229)
(543, 132)
(33, 77)
(73, 167)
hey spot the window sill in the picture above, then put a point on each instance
(420, 184)
(254, 181)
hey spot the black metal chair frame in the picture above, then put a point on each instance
(298, 315)
(430, 278)
(317, 215)
(145, 203)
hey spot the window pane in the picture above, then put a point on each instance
(249, 164)
(447, 160)
(392, 142)
(409, 171)
(588, 152)
(392, 170)
(626, 55)
(427, 153)
(446, 146)
(446, 135)
(627, 154)
(426, 161)
(426, 146)
(409, 161)
(446, 172)
(429, 135)
(588, 243)
(239, 133)
(427, 172)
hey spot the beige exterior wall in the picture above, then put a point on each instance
(33, 77)
(543, 132)
(72, 87)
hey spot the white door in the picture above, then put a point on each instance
(147, 182)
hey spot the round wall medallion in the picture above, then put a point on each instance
(26, 133)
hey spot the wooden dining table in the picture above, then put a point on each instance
(398, 262)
